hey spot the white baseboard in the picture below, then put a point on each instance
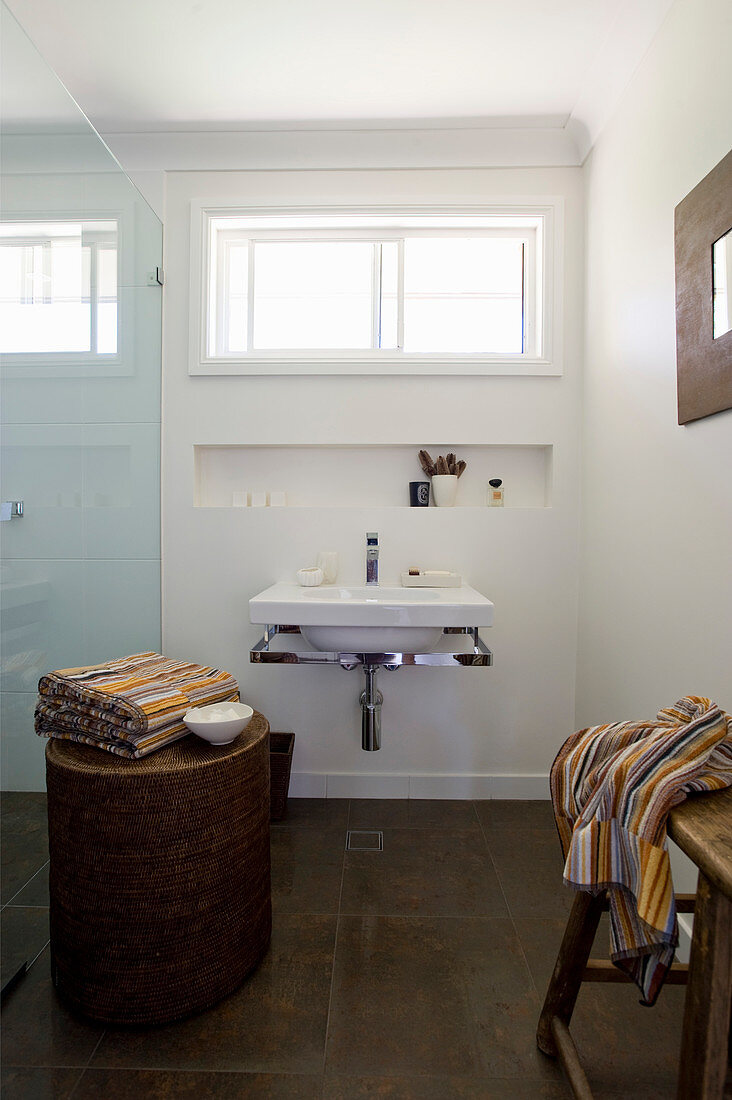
(520, 787)
(450, 786)
(307, 785)
(360, 785)
(686, 927)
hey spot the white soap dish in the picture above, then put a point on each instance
(218, 723)
(432, 579)
(310, 577)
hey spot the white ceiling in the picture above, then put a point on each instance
(202, 65)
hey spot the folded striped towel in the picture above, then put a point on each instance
(612, 788)
(128, 706)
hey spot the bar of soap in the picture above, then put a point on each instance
(218, 714)
(225, 714)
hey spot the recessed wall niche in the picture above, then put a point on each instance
(340, 476)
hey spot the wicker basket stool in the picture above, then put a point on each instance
(280, 765)
(160, 874)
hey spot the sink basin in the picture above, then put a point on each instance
(369, 593)
(371, 619)
(373, 639)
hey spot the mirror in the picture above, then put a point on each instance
(722, 284)
(702, 234)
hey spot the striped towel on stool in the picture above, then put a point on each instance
(128, 706)
(612, 788)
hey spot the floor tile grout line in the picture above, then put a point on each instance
(145, 1067)
(335, 948)
(407, 917)
(508, 908)
(77, 1082)
(423, 916)
(37, 956)
(41, 1065)
(10, 905)
(511, 916)
(89, 1062)
(27, 883)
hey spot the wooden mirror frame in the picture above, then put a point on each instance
(703, 364)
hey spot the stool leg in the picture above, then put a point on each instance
(566, 980)
(703, 1063)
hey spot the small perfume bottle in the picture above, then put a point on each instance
(495, 493)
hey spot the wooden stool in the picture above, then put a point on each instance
(702, 828)
(159, 876)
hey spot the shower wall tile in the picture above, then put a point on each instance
(131, 397)
(121, 491)
(42, 466)
(127, 391)
(22, 759)
(33, 400)
(140, 230)
(123, 602)
(37, 192)
(42, 605)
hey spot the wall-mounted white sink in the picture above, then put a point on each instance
(371, 619)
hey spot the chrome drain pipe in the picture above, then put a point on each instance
(371, 700)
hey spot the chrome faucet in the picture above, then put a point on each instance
(372, 557)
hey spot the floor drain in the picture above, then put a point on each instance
(366, 840)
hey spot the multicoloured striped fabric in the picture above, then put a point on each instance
(612, 788)
(129, 706)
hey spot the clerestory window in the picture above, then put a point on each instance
(385, 292)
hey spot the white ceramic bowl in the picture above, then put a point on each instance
(215, 724)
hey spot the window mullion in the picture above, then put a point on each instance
(400, 295)
(376, 298)
(250, 296)
(46, 274)
(221, 341)
(529, 303)
(524, 312)
(93, 296)
(27, 285)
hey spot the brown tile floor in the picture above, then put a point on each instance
(415, 973)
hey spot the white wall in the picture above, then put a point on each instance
(656, 559)
(503, 723)
(656, 577)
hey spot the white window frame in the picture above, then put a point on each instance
(545, 212)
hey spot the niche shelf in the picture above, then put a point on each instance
(368, 475)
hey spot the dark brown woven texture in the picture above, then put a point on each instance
(160, 874)
(280, 765)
